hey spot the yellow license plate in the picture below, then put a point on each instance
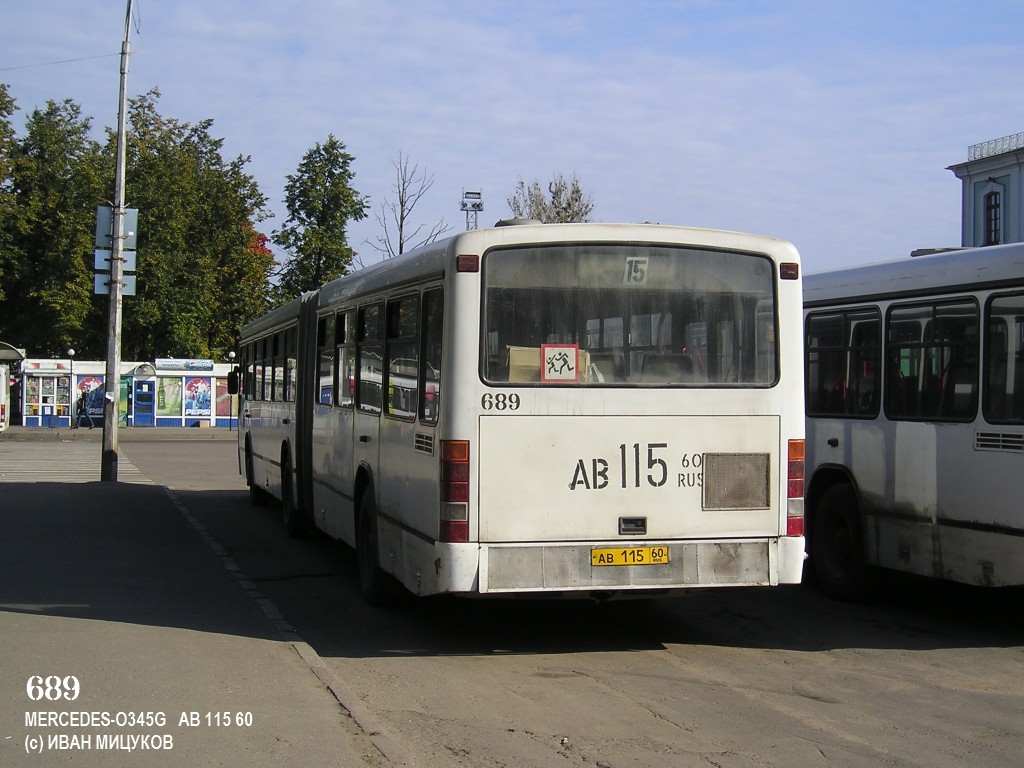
(629, 556)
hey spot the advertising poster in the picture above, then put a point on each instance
(92, 388)
(168, 397)
(122, 410)
(226, 404)
(198, 397)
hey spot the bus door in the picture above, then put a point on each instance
(933, 398)
(408, 454)
(333, 427)
(369, 392)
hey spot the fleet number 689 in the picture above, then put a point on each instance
(500, 401)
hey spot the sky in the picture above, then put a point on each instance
(827, 124)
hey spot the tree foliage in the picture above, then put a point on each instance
(55, 181)
(199, 276)
(8, 206)
(398, 234)
(565, 201)
(321, 202)
(202, 268)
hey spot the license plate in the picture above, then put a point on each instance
(629, 556)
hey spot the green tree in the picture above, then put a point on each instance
(320, 202)
(564, 201)
(8, 205)
(51, 188)
(200, 276)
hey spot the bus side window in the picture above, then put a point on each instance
(401, 356)
(289, 373)
(430, 356)
(325, 346)
(277, 367)
(825, 365)
(865, 363)
(266, 368)
(933, 362)
(345, 383)
(1004, 360)
(370, 353)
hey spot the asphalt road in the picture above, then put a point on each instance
(928, 676)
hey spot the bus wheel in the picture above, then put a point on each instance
(289, 514)
(837, 549)
(377, 587)
(257, 495)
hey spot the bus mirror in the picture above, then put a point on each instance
(233, 382)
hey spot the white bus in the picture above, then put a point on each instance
(591, 409)
(267, 413)
(915, 428)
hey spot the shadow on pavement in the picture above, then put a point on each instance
(313, 581)
(115, 552)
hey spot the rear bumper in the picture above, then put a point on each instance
(532, 568)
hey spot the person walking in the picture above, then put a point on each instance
(83, 410)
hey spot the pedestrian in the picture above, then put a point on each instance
(83, 410)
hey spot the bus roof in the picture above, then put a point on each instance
(275, 317)
(433, 259)
(947, 272)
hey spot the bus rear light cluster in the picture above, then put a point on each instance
(454, 490)
(795, 489)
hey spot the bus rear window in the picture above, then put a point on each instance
(613, 315)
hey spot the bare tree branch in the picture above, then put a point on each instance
(394, 216)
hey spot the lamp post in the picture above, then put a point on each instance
(72, 389)
(231, 398)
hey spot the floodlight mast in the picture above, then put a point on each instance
(472, 204)
(112, 382)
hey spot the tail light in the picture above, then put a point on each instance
(795, 489)
(455, 490)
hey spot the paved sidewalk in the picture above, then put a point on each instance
(126, 641)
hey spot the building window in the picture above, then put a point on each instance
(993, 218)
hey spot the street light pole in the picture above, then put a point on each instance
(72, 390)
(231, 398)
(112, 384)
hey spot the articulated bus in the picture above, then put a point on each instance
(915, 428)
(577, 409)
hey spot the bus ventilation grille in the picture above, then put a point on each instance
(424, 443)
(998, 441)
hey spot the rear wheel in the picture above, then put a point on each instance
(837, 549)
(377, 586)
(257, 495)
(289, 514)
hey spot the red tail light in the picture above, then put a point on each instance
(795, 490)
(454, 490)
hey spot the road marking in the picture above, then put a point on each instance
(60, 462)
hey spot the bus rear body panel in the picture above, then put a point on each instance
(565, 478)
(565, 500)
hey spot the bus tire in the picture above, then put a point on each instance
(377, 587)
(257, 495)
(290, 516)
(837, 549)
